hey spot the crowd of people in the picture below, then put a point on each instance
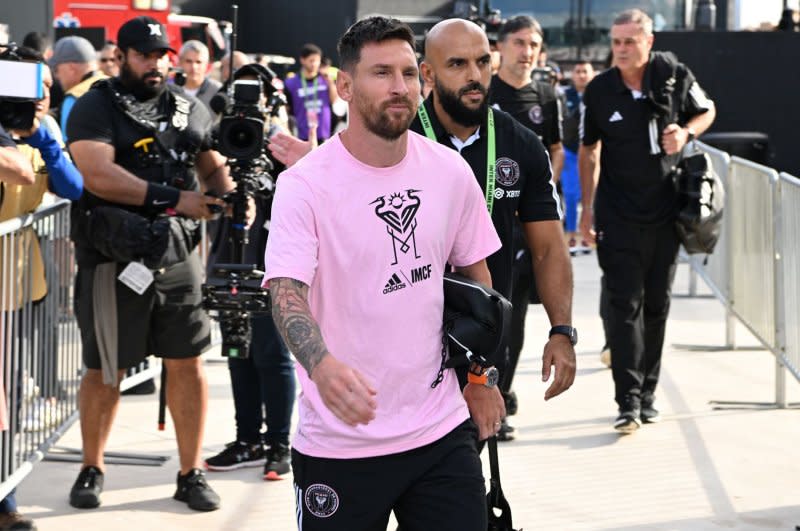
(480, 158)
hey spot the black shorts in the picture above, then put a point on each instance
(438, 486)
(167, 320)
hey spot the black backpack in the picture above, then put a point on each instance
(701, 197)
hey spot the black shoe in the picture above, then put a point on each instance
(237, 454)
(506, 432)
(193, 489)
(510, 398)
(650, 415)
(278, 461)
(628, 420)
(147, 387)
(85, 493)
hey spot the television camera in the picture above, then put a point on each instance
(234, 289)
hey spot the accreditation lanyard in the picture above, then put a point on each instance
(490, 150)
(305, 90)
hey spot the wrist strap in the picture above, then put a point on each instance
(477, 379)
(161, 197)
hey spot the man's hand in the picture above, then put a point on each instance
(587, 225)
(288, 149)
(560, 353)
(196, 205)
(673, 138)
(487, 408)
(345, 391)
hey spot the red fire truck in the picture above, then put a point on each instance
(99, 20)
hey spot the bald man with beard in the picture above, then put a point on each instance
(458, 66)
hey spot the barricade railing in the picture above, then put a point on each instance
(789, 191)
(753, 270)
(39, 338)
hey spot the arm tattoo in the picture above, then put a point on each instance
(293, 319)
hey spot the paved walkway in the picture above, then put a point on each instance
(706, 466)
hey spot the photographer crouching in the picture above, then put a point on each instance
(142, 145)
(261, 368)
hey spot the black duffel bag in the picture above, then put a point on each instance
(125, 236)
(701, 197)
(477, 321)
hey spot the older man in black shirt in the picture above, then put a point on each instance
(637, 117)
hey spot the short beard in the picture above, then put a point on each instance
(460, 113)
(378, 122)
(139, 88)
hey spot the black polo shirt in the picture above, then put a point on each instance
(634, 185)
(523, 182)
(536, 106)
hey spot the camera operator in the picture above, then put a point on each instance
(266, 376)
(29, 167)
(142, 145)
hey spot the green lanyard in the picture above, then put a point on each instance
(305, 90)
(490, 150)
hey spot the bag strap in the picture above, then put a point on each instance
(499, 512)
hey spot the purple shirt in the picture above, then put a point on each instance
(310, 95)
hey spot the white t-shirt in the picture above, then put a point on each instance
(372, 244)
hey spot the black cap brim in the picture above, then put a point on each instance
(151, 46)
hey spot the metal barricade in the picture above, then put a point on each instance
(752, 200)
(39, 338)
(790, 261)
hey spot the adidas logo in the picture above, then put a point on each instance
(616, 117)
(394, 284)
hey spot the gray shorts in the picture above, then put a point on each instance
(167, 320)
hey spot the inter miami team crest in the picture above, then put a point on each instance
(507, 171)
(399, 210)
(321, 500)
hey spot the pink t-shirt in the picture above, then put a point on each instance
(372, 244)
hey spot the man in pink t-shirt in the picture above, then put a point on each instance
(361, 232)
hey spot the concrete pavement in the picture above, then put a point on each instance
(719, 460)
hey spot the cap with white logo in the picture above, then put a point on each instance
(144, 34)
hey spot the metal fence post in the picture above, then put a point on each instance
(780, 310)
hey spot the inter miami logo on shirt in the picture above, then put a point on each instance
(507, 171)
(321, 500)
(399, 211)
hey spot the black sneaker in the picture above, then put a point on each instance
(506, 431)
(85, 493)
(237, 454)
(510, 399)
(650, 415)
(628, 420)
(278, 461)
(193, 489)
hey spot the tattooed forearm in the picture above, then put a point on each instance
(293, 319)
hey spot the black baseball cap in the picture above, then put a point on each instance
(144, 34)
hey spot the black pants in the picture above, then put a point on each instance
(439, 487)
(523, 291)
(638, 264)
(265, 379)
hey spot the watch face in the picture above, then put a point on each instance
(492, 375)
(573, 336)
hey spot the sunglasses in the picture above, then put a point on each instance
(107, 60)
